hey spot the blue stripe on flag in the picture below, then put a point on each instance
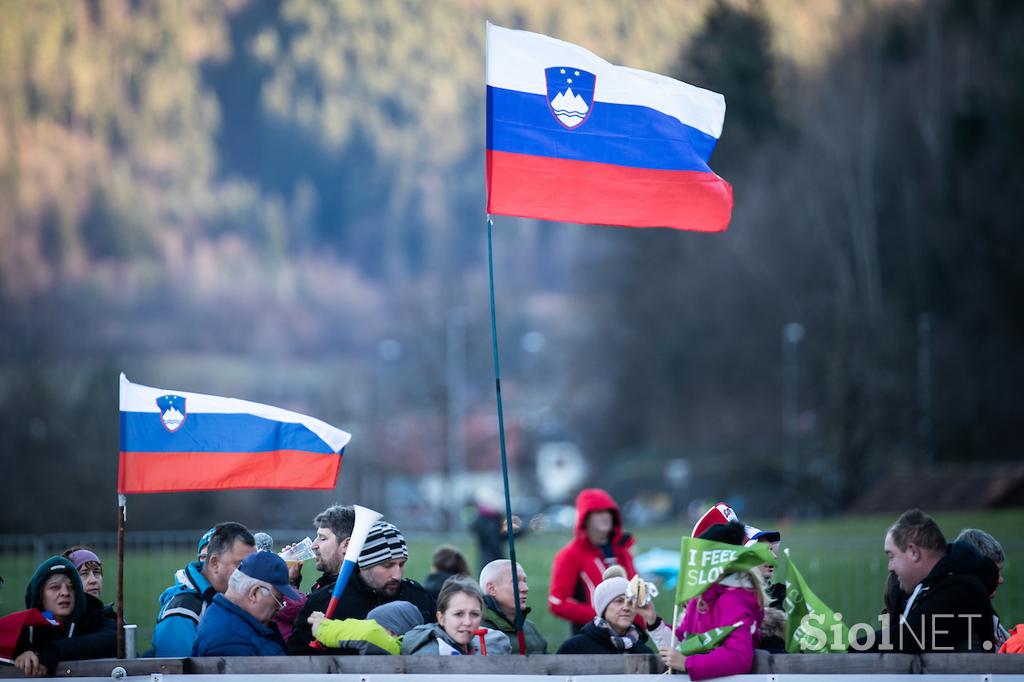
(619, 134)
(211, 432)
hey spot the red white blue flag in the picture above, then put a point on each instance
(173, 441)
(573, 138)
(11, 627)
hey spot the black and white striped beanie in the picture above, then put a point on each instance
(383, 543)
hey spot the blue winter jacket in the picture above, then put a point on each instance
(181, 607)
(228, 630)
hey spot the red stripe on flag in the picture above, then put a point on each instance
(603, 194)
(11, 627)
(167, 472)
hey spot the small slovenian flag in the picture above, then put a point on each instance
(172, 441)
(573, 138)
(12, 626)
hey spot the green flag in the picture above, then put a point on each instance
(811, 626)
(703, 642)
(703, 562)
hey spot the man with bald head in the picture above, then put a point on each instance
(500, 604)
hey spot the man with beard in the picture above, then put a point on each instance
(334, 528)
(378, 580)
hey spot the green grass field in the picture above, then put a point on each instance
(841, 558)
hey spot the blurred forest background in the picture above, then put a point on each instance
(282, 200)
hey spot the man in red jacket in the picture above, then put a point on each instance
(578, 567)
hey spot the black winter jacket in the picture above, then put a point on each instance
(593, 639)
(433, 583)
(951, 611)
(91, 632)
(357, 601)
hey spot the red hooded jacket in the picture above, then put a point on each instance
(578, 567)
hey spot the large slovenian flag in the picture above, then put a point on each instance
(172, 441)
(573, 138)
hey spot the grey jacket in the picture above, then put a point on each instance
(422, 640)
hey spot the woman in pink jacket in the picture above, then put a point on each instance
(737, 598)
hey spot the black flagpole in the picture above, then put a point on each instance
(501, 438)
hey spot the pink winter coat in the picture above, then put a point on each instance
(727, 604)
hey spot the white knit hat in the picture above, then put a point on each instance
(608, 590)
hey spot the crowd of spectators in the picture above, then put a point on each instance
(238, 598)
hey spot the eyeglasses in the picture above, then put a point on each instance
(280, 604)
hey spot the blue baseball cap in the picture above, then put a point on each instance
(269, 568)
(205, 540)
(755, 535)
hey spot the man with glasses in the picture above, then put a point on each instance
(238, 622)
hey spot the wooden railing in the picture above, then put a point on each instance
(565, 666)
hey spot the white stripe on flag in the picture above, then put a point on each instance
(516, 61)
(139, 398)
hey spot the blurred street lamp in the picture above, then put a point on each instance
(455, 369)
(371, 484)
(792, 335)
(924, 386)
(677, 472)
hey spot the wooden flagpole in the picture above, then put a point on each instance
(121, 503)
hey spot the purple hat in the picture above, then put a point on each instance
(81, 557)
(269, 568)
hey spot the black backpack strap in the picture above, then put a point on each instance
(187, 605)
